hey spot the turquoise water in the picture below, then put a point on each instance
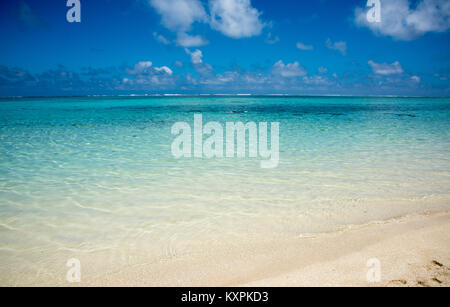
(83, 177)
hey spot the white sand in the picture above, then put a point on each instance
(413, 251)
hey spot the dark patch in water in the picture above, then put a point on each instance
(332, 114)
(406, 115)
(237, 112)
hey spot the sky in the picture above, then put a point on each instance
(304, 47)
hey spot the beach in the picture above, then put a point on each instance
(413, 251)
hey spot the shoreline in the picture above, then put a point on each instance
(412, 250)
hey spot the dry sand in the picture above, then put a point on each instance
(414, 251)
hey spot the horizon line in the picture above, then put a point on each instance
(174, 95)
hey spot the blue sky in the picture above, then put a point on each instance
(312, 47)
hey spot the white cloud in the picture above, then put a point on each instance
(196, 56)
(386, 69)
(415, 79)
(147, 68)
(403, 21)
(340, 46)
(203, 69)
(145, 74)
(302, 46)
(140, 68)
(179, 15)
(161, 38)
(164, 69)
(235, 18)
(316, 80)
(186, 40)
(288, 71)
(227, 77)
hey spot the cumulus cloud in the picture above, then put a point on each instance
(317, 80)
(386, 69)
(339, 46)
(164, 69)
(186, 40)
(235, 18)
(402, 20)
(289, 70)
(147, 68)
(302, 46)
(140, 68)
(179, 15)
(415, 79)
(145, 74)
(204, 69)
(161, 38)
(197, 61)
(196, 56)
(145, 78)
(220, 79)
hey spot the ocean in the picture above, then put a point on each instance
(94, 178)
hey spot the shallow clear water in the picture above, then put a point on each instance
(83, 175)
